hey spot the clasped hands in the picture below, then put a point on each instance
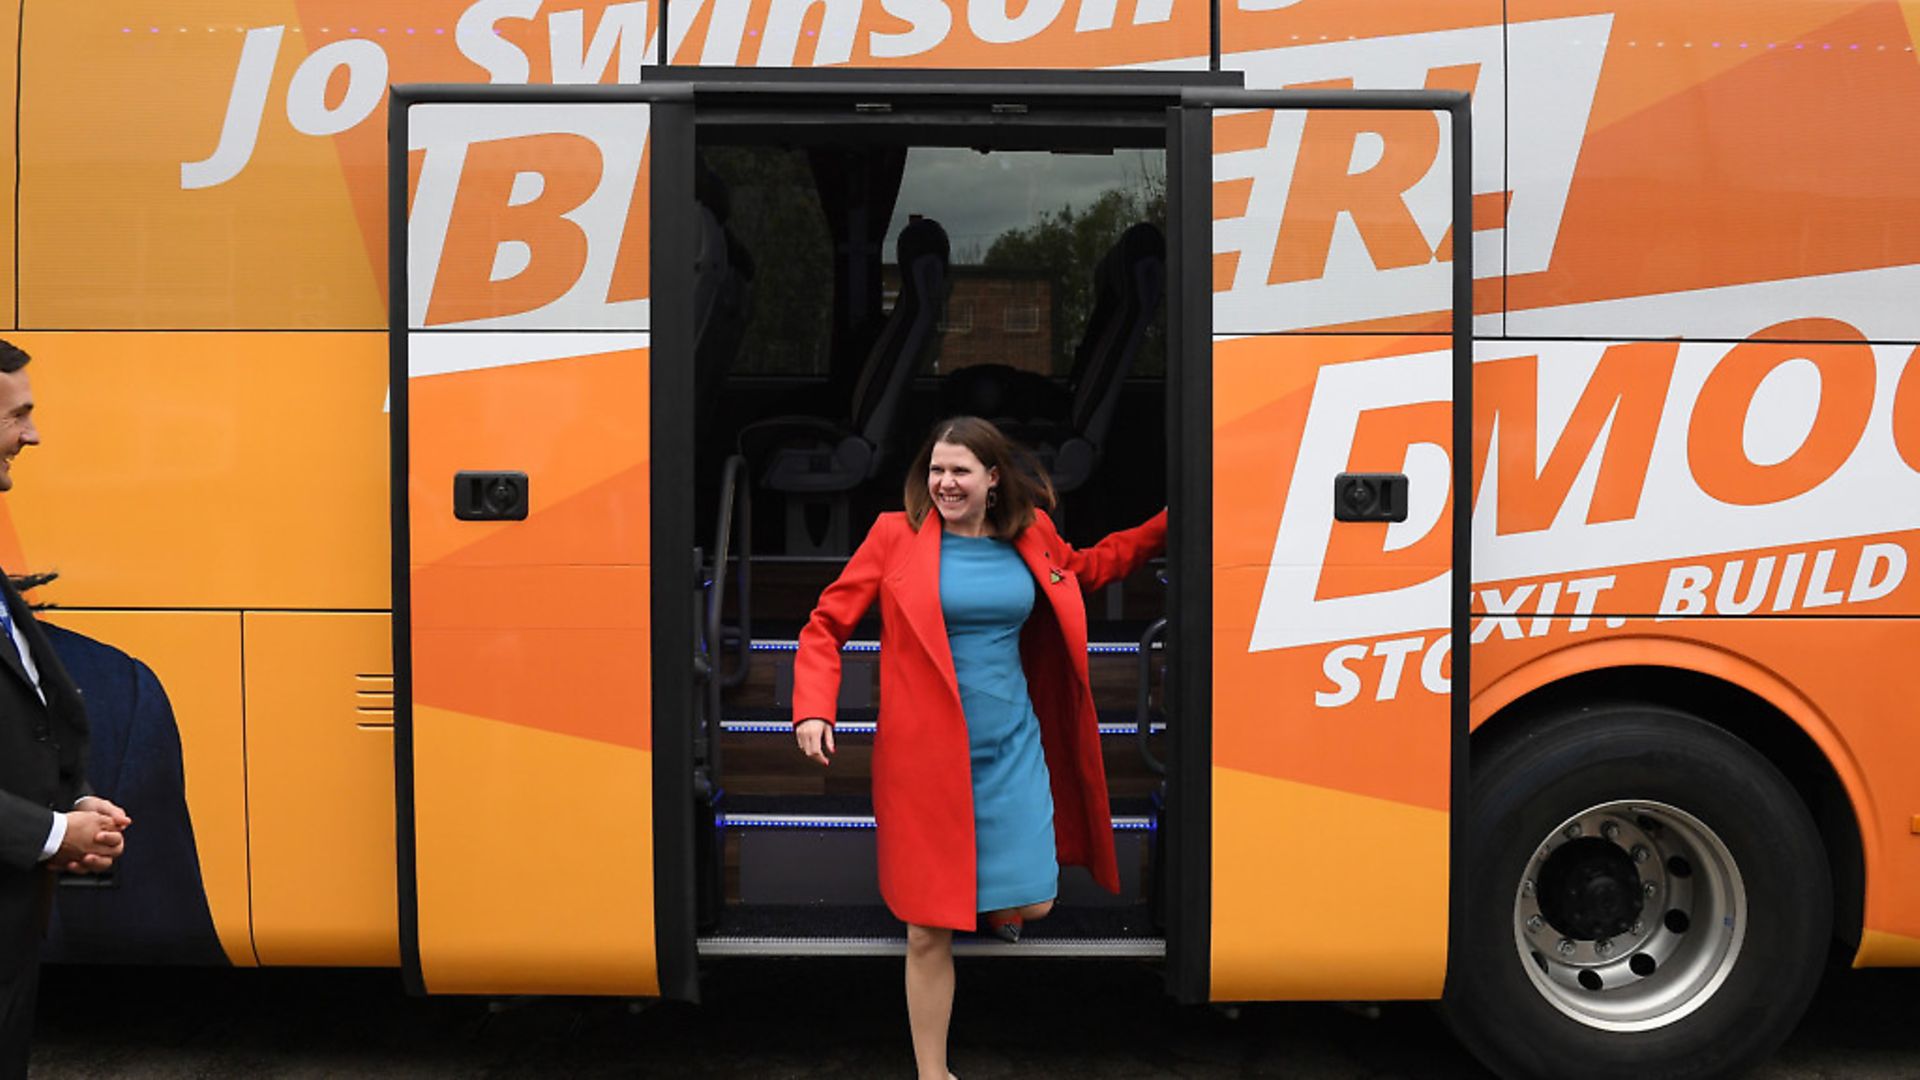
(95, 837)
(815, 738)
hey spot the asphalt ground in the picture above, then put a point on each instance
(818, 1019)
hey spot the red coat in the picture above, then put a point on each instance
(922, 781)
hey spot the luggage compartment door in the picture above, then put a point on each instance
(1325, 349)
(523, 396)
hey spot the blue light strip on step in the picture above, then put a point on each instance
(866, 727)
(1096, 648)
(1124, 823)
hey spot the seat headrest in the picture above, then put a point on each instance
(1140, 244)
(922, 237)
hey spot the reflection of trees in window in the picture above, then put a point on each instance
(1067, 244)
(777, 217)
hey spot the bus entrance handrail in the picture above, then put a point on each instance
(1144, 703)
(718, 678)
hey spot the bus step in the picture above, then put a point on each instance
(818, 853)
(871, 645)
(871, 930)
(750, 724)
(1088, 948)
(856, 812)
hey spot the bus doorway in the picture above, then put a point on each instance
(893, 259)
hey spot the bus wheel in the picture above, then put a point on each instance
(1643, 892)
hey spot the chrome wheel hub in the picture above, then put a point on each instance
(1629, 915)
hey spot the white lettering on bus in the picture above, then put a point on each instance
(1339, 668)
(622, 33)
(931, 21)
(245, 107)
(366, 67)
(1591, 456)
(1723, 588)
(479, 41)
(618, 41)
(1706, 589)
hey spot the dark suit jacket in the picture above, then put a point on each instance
(43, 754)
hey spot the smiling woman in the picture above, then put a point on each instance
(991, 663)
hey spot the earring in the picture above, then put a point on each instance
(993, 496)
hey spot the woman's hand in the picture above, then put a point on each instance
(815, 738)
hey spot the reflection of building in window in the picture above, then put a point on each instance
(995, 316)
(958, 318)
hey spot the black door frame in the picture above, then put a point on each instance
(670, 320)
(1190, 538)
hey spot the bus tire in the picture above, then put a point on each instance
(1645, 895)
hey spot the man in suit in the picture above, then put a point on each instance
(49, 819)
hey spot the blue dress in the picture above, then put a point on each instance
(986, 593)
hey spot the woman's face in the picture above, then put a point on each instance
(959, 484)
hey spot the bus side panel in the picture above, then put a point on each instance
(224, 167)
(163, 694)
(1735, 160)
(253, 467)
(273, 443)
(1817, 674)
(1363, 243)
(173, 176)
(530, 673)
(1757, 163)
(1699, 478)
(528, 263)
(1756, 496)
(1164, 34)
(320, 787)
(1331, 805)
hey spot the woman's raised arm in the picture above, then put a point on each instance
(1118, 554)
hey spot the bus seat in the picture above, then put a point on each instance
(814, 461)
(1128, 286)
(722, 292)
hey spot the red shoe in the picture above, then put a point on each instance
(1005, 925)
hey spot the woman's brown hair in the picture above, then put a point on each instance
(1023, 484)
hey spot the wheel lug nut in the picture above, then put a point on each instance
(1603, 948)
(1641, 854)
(1610, 830)
(1526, 887)
(1650, 890)
(1566, 946)
(1574, 831)
(1638, 927)
(1534, 923)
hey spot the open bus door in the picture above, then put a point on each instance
(525, 285)
(1320, 541)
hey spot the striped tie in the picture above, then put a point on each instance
(6, 630)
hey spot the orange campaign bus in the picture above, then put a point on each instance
(452, 410)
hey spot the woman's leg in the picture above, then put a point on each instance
(929, 997)
(1025, 913)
